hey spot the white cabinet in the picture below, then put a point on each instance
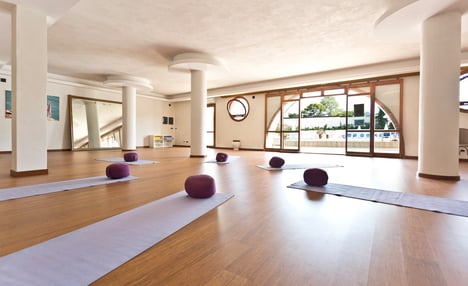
(158, 141)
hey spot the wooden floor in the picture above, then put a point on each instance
(267, 234)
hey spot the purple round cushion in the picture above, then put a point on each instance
(117, 171)
(221, 157)
(315, 177)
(276, 162)
(200, 186)
(131, 157)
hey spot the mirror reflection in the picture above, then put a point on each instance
(464, 92)
(95, 124)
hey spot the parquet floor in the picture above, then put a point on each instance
(267, 234)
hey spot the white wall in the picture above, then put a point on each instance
(182, 123)
(410, 115)
(249, 131)
(149, 113)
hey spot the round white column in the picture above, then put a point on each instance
(197, 115)
(92, 123)
(129, 85)
(198, 65)
(128, 118)
(439, 97)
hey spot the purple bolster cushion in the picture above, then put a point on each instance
(221, 157)
(276, 162)
(117, 171)
(131, 157)
(200, 186)
(315, 177)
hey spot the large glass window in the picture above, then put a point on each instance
(352, 119)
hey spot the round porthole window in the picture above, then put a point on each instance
(464, 92)
(238, 108)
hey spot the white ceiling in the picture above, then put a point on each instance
(258, 40)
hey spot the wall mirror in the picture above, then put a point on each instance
(464, 92)
(95, 124)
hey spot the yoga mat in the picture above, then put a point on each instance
(230, 158)
(121, 160)
(83, 256)
(422, 202)
(33, 190)
(297, 166)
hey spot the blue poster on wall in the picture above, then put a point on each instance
(7, 103)
(53, 108)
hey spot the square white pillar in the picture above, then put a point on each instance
(29, 92)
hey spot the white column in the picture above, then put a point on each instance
(439, 97)
(29, 92)
(198, 113)
(92, 123)
(128, 118)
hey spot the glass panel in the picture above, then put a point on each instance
(273, 105)
(387, 142)
(294, 96)
(323, 124)
(386, 119)
(290, 123)
(358, 119)
(291, 140)
(359, 90)
(273, 140)
(358, 112)
(387, 106)
(358, 142)
(334, 91)
(209, 138)
(291, 116)
(210, 128)
(312, 93)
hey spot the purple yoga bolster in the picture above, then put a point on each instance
(276, 162)
(117, 171)
(200, 186)
(131, 157)
(221, 157)
(315, 177)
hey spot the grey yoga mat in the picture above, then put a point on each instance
(121, 160)
(422, 202)
(297, 166)
(40, 189)
(84, 255)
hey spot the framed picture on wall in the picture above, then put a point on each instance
(53, 108)
(8, 110)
